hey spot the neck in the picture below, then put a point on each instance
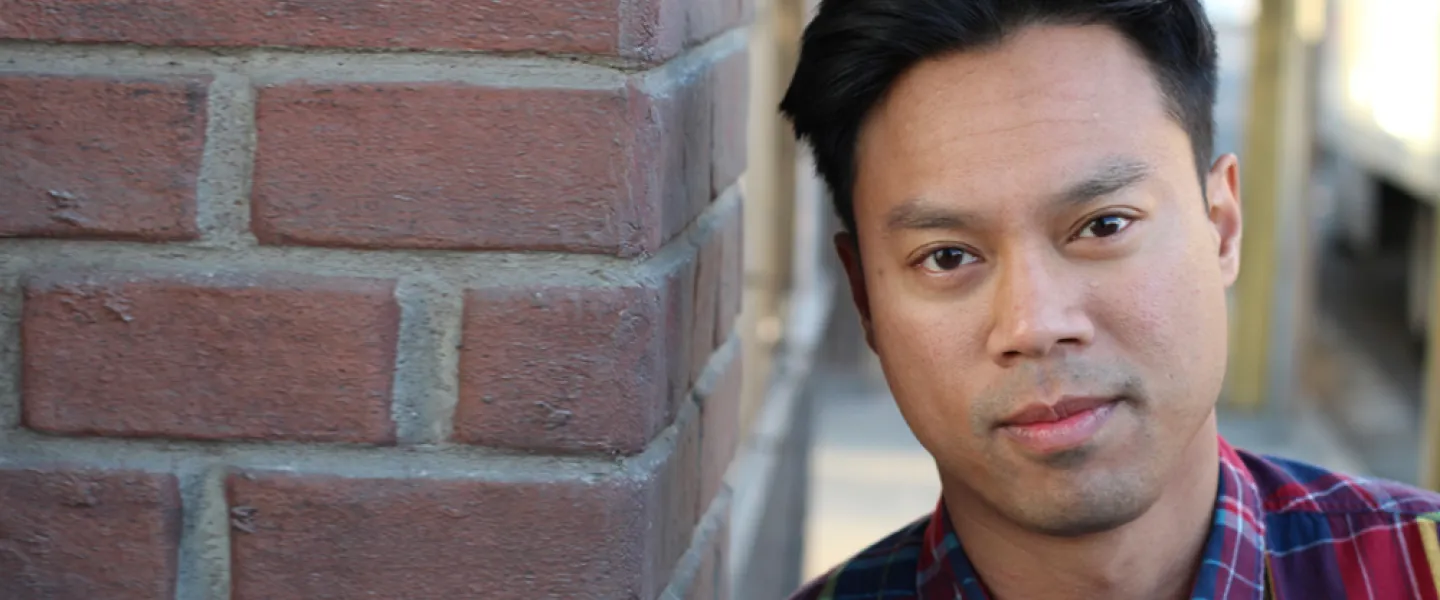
(1153, 556)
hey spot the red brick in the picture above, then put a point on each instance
(732, 274)
(681, 283)
(424, 166)
(712, 581)
(708, 18)
(679, 492)
(716, 298)
(614, 171)
(261, 357)
(93, 157)
(684, 143)
(563, 368)
(88, 534)
(732, 101)
(706, 298)
(317, 537)
(648, 29)
(720, 430)
(703, 147)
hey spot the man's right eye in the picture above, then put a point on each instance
(947, 259)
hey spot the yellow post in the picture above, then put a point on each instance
(1430, 423)
(769, 188)
(1273, 171)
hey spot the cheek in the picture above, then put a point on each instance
(928, 349)
(1167, 314)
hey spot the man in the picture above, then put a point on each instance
(1039, 247)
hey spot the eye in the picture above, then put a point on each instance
(947, 259)
(1106, 226)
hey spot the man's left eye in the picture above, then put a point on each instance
(1105, 226)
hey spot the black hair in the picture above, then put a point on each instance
(854, 50)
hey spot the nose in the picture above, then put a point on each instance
(1038, 309)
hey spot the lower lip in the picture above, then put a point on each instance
(1065, 434)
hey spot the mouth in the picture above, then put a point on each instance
(1065, 425)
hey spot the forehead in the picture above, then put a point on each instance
(1012, 121)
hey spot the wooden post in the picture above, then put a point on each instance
(769, 188)
(1273, 174)
(1430, 421)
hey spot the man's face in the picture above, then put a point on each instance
(1041, 276)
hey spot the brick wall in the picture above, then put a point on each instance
(312, 300)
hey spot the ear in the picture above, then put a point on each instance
(848, 247)
(1222, 194)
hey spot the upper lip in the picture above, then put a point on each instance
(1049, 413)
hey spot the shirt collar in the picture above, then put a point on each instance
(1232, 566)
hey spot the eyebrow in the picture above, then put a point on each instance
(919, 214)
(1113, 176)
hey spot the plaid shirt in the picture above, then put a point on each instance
(1282, 530)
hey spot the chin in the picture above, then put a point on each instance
(1074, 508)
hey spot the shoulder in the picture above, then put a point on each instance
(1292, 487)
(886, 567)
(1328, 532)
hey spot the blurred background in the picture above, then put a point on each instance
(1331, 106)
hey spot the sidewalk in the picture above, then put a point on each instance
(868, 474)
